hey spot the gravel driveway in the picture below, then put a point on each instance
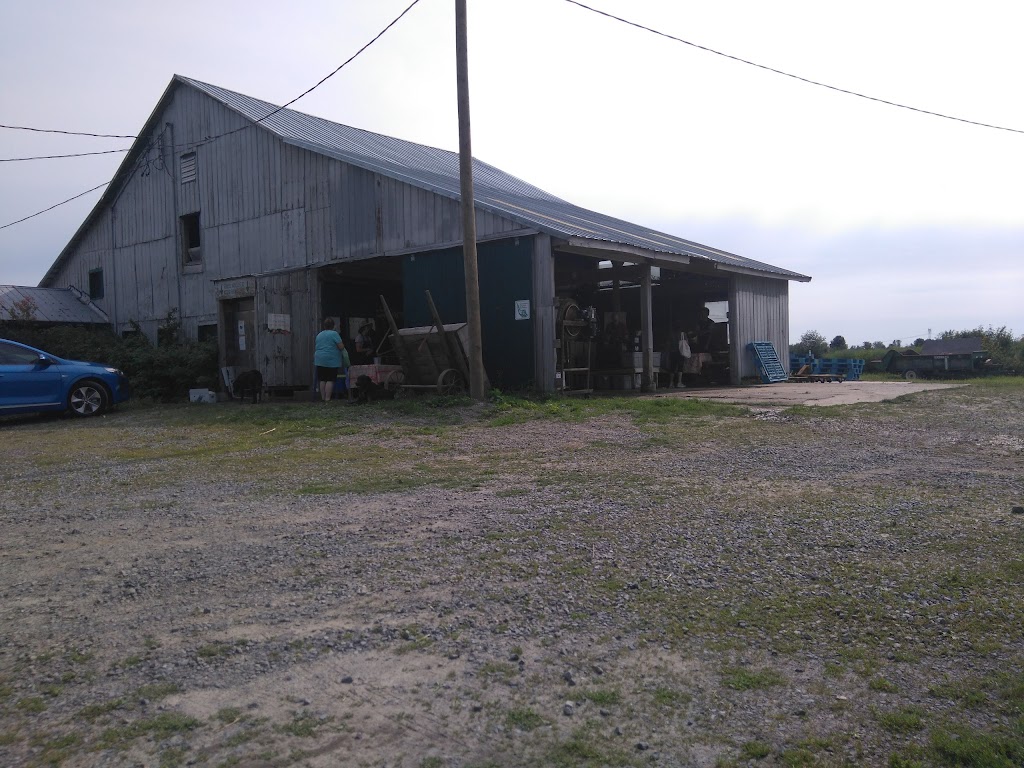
(647, 582)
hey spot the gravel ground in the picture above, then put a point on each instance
(661, 584)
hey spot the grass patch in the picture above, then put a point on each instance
(906, 720)
(303, 725)
(523, 718)
(163, 726)
(741, 679)
(604, 697)
(966, 746)
(511, 409)
(755, 750)
(882, 685)
(229, 715)
(95, 711)
(214, 649)
(157, 691)
(56, 750)
(579, 750)
(32, 704)
(670, 697)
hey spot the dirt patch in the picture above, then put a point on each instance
(814, 393)
(822, 589)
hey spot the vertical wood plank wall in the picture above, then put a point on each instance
(759, 311)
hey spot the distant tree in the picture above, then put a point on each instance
(879, 345)
(838, 343)
(866, 345)
(896, 343)
(811, 343)
(918, 342)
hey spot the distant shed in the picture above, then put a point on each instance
(49, 306)
(953, 346)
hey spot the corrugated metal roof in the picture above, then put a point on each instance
(438, 170)
(52, 305)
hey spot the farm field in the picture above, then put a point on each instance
(615, 582)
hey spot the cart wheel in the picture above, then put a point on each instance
(450, 382)
(394, 381)
(910, 375)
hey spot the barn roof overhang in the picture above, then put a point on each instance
(619, 252)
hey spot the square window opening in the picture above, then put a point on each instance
(206, 333)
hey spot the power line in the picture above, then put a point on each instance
(69, 133)
(214, 138)
(308, 91)
(56, 157)
(787, 74)
(5, 226)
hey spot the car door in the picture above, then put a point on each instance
(28, 380)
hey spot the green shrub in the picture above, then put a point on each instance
(163, 373)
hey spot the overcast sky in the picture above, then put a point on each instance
(906, 222)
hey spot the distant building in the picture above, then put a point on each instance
(253, 223)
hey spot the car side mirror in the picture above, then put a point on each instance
(43, 360)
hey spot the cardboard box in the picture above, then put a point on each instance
(201, 396)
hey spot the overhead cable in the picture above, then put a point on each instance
(5, 226)
(56, 157)
(787, 74)
(68, 133)
(308, 91)
(213, 138)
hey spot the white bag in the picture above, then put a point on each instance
(684, 347)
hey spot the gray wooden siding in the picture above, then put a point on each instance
(375, 215)
(286, 359)
(759, 311)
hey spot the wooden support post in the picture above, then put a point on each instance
(477, 377)
(647, 382)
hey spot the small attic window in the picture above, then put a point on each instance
(188, 167)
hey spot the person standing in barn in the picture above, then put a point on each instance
(327, 358)
(364, 344)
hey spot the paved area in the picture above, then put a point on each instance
(807, 393)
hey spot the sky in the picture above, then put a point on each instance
(908, 223)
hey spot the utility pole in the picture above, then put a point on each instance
(476, 353)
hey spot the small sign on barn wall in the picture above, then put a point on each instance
(522, 309)
(279, 323)
(241, 335)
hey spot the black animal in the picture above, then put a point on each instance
(246, 383)
(367, 390)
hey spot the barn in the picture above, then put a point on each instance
(251, 223)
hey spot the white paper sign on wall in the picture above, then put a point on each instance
(522, 309)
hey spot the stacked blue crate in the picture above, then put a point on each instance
(850, 369)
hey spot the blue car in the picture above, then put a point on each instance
(33, 381)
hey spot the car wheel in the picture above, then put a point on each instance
(87, 398)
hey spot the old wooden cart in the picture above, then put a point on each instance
(432, 357)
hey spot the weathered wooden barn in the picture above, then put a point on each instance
(253, 222)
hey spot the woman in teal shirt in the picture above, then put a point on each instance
(328, 358)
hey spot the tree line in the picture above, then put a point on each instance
(1005, 349)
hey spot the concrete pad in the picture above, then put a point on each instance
(807, 393)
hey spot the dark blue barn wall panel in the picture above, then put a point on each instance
(506, 276)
